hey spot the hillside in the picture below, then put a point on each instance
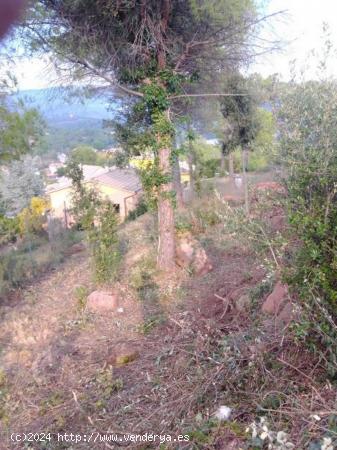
(176, 349)
(71, 119)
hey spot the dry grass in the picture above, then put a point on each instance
(192, 352)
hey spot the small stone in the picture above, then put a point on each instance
(120, 310)
(101, 302)
(223, 413)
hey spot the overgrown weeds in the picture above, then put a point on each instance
(33, 257)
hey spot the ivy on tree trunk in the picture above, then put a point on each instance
(166, 245)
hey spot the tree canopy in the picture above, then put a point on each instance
(130, 40)
(19, 131)
(154, 50)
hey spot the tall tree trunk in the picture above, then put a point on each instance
(166, 228)
(244, 178)
(166, 246)
(231, 165)
(177, 182)
(222, 163)
(190, 161)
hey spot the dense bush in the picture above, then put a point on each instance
(99, 220)
(104, 243)
(140, 209)
(308, 132)
(33, 218)
(209, 168)
(9, 230)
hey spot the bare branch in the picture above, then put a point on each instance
(211, 94)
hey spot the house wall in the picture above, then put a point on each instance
(126, 200)
(59, 201)
(118, 197)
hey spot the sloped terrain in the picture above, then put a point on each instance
(180, 347)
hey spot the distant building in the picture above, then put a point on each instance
(52, 169)
(111, 150)
(62, 157)
(121, 187)
(212, 141)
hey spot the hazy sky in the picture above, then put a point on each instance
(300, 29)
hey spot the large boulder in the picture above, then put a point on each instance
(191, 255)
(102, 302)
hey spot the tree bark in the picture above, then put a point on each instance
(166, 245)
(190, 161)
(244, 178)
(177, 183)
(222, 163)
(231, 165)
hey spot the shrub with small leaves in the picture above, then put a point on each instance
(99, 220)
(308, 132)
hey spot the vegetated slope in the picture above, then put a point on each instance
(181, 347)
(71, 121)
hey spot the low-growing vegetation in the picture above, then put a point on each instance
(210, 311)
(32, 257)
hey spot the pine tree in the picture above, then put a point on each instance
(153, 50)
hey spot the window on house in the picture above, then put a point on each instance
(116, 207)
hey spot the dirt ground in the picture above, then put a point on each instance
(58, 362)
(55, 354)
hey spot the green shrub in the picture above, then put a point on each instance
(9, 230)
(103, 240)
(140, 209)
(309, 147)
(209, 168)
(257, 161)
(98, 218)
(81, 294)
(183, 224)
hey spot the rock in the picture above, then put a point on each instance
(184, 252)
(101, 302)
(201, 264)
(276, 299)
(190, 254)
(278, 222)
(223, 413)
(287, 314)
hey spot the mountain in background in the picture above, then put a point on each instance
(71, 120)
